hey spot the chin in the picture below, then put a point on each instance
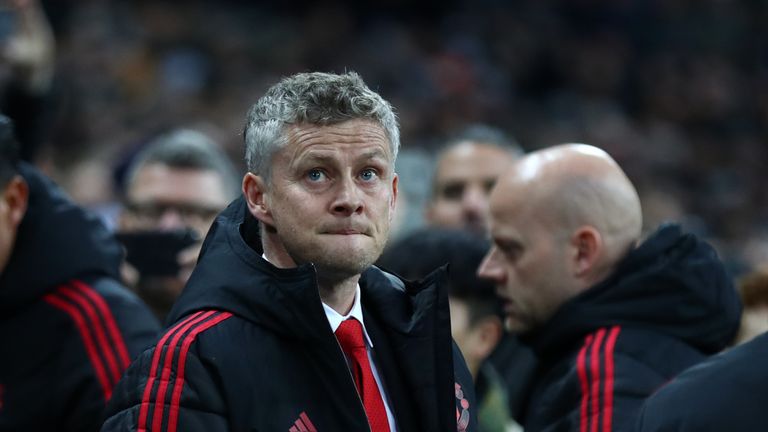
(516, 326)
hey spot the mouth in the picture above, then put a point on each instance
(344, 232)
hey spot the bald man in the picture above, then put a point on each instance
(610, 318)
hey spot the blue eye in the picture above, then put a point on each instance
(315, 175)
(368, 174)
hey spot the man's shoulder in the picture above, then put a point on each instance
(727, 389)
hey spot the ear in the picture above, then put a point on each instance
(587, 245)
(486, 334)
(255, 192)
(393, 202)
(16, 197)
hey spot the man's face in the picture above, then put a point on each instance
(332, 196)
(527, 262)
(463, 180)
(163, 198)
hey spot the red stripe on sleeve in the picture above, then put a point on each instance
(159, 348)
(594, 357)
(581, 368)
(97, 327)
(85, 334)
(179, 384)
(609, 346)
(157, 417)
(109, 321)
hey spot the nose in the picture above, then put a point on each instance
(474, 203)
(170, 219)
(348, 200)
(490, 268)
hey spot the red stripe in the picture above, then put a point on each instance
(179, 385)
(581, 368)
(305, 418)
(97, 327)
(609, 346)
(594, 357)
(293, 429)
(159, 348)
(85, 334)
(157, 417)
(109, 320)
(300, 425)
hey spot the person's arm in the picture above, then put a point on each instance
(170, 387)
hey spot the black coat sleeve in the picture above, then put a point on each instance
(169, 387)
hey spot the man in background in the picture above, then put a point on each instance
(68, 328)
(610, 320)
(173, 191)
(466, 170)
(476, 322)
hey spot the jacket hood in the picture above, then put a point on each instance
(56, 241)
(231, 275)
(673, 283)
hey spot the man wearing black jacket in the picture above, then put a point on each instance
(610, 319)
(285, 325)
(68, 328)
(728, 392)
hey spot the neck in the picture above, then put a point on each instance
(339, 295)
(336, 292)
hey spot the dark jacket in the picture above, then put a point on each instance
(68, 329)
(668, 305)
(251, 350)
(728, 392)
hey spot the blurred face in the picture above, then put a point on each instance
(332, 196)
(463, 180)
(463, 333)
(527, 262)
(165, 198)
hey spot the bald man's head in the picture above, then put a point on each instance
(561, 219)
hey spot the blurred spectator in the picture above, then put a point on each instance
(475, 311)
(466, 170)
(28, 58)
(465, 173)
(180, 181)
(67, 327)
(610, 319)
(753, 289)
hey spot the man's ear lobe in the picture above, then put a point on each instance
(587, 243)
(16, 197)
(255, 193)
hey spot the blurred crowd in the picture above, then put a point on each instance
(674, 90)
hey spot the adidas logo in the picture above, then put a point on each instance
(303, 424)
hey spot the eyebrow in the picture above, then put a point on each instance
(322, 157)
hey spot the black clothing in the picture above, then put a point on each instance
(728, 392)
(252, 350)
(67, 327)
(668, 305)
